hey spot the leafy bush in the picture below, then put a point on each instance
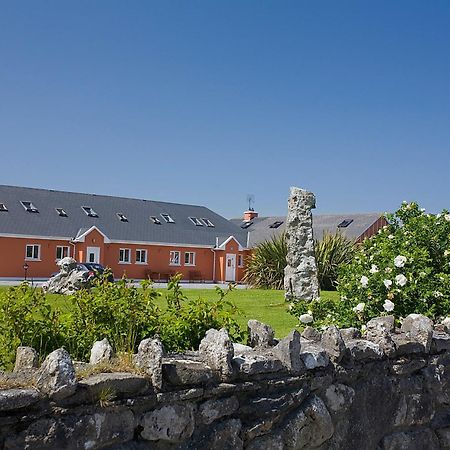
(265, 267)
(403, 269)
(332, 252)
(122, 313)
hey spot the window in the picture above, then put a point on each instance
(61, 212)
(207, 222)
(124, 256)
(345, 223)
(141, 256)
(167, 218)
(276, 224)
(122, 217)
(155, 220)
(62, 251)
(189, 258)
(29, 207)
(3, 207)
(246, 224)
(174, 258)
(240, 260)
(196, 221)
(33, 251)
(89, 211)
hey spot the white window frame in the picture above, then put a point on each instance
(62, 247)
(167, 218)
(207, 222)
(240, 260)
(174, 258)
(61, 212)
(89, 211)
(191, 258)
(141, 251)
(196, 221)
(123, 252)
(30, 208)
(33, 257)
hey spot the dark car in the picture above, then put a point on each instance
(94, 270)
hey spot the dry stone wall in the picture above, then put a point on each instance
(334, 389)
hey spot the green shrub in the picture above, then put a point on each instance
(332, 251)
(122, 313)
(265, 267)
(403, 269)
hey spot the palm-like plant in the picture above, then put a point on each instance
(265, 267)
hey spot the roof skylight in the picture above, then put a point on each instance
(122, 217)
(196, 221)
(89, 211)
(29, 207)
(155, 220)
(61, 212)
(207, 222)
(167, 218)
(276, 224)
(345, 223)
(3, 207)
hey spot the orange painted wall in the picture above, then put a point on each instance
(12, 257)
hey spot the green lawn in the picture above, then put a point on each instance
(267, 306)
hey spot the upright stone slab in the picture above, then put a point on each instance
(300, 274)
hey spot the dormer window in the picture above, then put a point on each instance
(196, 221)
(167, 218)
(276, 224)
(246, 224)
(345, 223)
(89, 211)
(61, 212)
(155, 220)
(29, 207)
(207, 222)
(122, 217)
(3, 208)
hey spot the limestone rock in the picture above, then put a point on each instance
(288, 352)
(405, 345)
(223, 436)
(11, 399)
(26, 358)
(101, 352)
(68, 280)
(339, 397)
(300, 275)
(379, 331)
(269, 442)
(412, 440)
(313, 356)
(308, 427)
(333, 344)
(241, 349)
(149, 358)
(361, 349)
(170, 423)
(420, 329)
(186, 372)
(350, 333)
(216, 350)
(250, 364)
(212, 410)
(260, 334)
(386, 322)
(57, 375)
(311, 334)
(440, 342)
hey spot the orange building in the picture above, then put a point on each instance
(135, 238)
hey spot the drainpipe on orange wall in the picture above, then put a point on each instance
(74, 249)
(214, 265)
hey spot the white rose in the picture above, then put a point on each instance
(359, 307)
(399, 261)
(401, 279)
(373, 269)
(391, 236)
(364, 281)
(388, 305)
(447, 217)
(446, 253)
(387, 283)
(343, 298)
(306, 318)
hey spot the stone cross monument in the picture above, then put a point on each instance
(300, 274)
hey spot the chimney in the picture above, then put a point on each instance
(250, 215)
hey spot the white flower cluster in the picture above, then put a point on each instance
(364, 281)
(306, 318)
(388, 305)
(399, 261)
(359, 308)
(401, 280)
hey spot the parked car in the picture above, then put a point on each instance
(94, 270)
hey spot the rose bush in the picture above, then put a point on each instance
(403, 269)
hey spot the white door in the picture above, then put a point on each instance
(230, 272)
(93, 255)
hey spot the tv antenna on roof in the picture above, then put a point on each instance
(250, 201)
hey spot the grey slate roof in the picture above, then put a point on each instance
(260, 229)
(139, 228)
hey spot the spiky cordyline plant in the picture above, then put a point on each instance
(265, 267)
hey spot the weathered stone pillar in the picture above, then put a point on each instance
(300, 275)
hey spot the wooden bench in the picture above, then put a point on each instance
(195, 275)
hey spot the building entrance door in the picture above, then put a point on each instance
(93, 255)
(230, 272)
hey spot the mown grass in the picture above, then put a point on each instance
(267, 306)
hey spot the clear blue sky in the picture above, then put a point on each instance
(205, 101)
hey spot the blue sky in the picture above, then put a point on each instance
(205, 102)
